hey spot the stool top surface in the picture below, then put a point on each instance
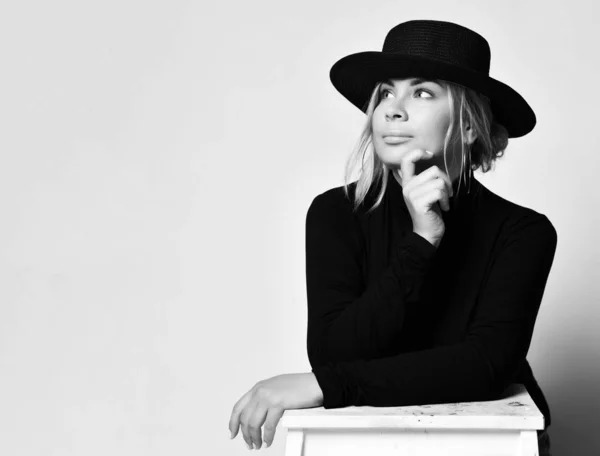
(514, 410)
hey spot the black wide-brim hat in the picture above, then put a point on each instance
(433, 50)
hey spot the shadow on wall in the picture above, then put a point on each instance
(575, 403)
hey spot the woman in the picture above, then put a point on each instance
(423, 286)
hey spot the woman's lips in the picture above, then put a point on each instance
(396, 139)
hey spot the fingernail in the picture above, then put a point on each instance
(250, 447)
(430, 153)
(230, 434)
(267, 444)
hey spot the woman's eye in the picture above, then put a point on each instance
(424, 91)
(384, 92)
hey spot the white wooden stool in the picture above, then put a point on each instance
(503, 427)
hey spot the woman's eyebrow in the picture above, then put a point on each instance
(413, 82)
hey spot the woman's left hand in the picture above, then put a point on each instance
(266, 402)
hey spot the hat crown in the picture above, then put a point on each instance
(438, 40)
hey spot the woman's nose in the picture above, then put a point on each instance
(395, 111)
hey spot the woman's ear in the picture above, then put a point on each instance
(470, 135)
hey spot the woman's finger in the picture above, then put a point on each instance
(433, 172)
(434, 196)
(256, 421)
(407, 164)
(234, 420)
(274, 414)
(435, 185)
(245, 422)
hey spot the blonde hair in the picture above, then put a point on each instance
(467, 107)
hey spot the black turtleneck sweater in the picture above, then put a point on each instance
(394, 321)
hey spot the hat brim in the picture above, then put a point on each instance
(356, 75)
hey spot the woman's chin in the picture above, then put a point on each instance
(394, 162)
(392, 157)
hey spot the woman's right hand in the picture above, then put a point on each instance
(422, 194)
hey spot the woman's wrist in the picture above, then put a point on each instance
(317, 391)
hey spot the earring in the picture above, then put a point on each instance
(469, 169)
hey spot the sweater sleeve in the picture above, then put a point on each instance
(345, 320)
(480, 366)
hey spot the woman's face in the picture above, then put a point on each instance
(417, 109)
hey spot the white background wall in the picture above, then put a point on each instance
(158, 160)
